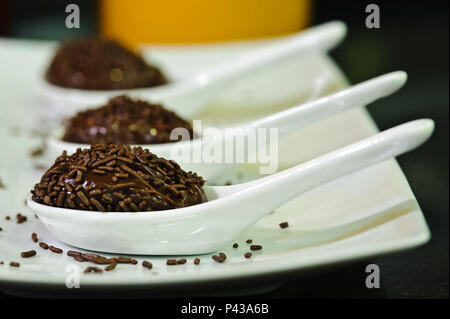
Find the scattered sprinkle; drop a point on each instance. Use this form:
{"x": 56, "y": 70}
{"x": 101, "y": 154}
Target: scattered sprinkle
{"x": 248, "y": 255}
{"x": 249, "y": 241}
{"x": 34, "y": 237}
{"x": 43, "y": 245}
{"x": 37, "y": 151}
{"x": 78, "y": 258}
{"x": 93, "y": 269}
{"x": 284, "y": 224}
{"x": 235, "y": 245}
{"x": 112, "y": 265}
{"x": 100, "y": 260}
{"x": 21, "y": 218}
{"x": 217, "y": 258}
{"x": 14, "y": 264}
{"x": 147, "y": 264}
{"x": 171, "y": 262}
{"x": 255, "y": 247}
{"x": 181, "y": 261}
{"x": 73, "y": 253}
{"x": 196, "y": 261}
{"x": 55, "y": 249}
{"x": 27, "y": 254}
{"x": 125, "y": 260}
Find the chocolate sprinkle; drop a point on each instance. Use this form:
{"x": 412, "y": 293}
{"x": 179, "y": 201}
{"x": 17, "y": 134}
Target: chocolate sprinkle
{"x": 217, "y": 258}
{"x": 93, "y": 269}
{"x": 147, "y": 264}
{"x": 73, "y": 253}
{"x": 284, "y": 224}
{"x": 55, "y": 249}
{"x": 20, "y": 218}
{"x": 78, "y": 258}
{"x": 181, "y": 261}
{"x": 27, "y": 254}
{"x": 171, "y": 262}
{"x": 37, "y": 151}
{"x": 147, "y": 187}
{"x": 255, "y": 247}
{"x": 112, "y": 265}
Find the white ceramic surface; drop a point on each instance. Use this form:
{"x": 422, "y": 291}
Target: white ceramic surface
{"x": 286, "y": 121}
{"x": 191, "y": 95}
{"x": 381, "y": 188}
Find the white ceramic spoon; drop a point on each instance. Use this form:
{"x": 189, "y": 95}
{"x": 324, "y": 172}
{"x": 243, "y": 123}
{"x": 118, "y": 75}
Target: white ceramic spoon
{"x": 190, "y": 96}
{"x": 209, "y": 226}
{"x": 286, "y": 121}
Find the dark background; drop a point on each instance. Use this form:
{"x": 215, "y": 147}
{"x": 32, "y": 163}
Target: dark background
{"x": 413, "y": 37}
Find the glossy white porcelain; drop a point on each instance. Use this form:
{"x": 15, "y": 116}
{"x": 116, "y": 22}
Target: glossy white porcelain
{"x": 381, "y": 190}
{"x": 206, "y": 227}
{"x": 191, "y": 95}
{"x": 286, "y": 121}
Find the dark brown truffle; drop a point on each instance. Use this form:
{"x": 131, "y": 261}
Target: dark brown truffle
{"x": 124, "y": 121}
{"x": 117, "y": 178}
{"x": 100, "y": 64}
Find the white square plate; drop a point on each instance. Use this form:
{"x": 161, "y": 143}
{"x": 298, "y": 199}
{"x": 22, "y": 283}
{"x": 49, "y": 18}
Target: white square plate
{"x": 342, "y": 201}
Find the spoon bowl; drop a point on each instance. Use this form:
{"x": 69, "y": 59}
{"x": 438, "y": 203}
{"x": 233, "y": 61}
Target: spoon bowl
{"x": 209, "y": 226}
{"x": 286, "y": 121}
{"x": 190, "y": 96}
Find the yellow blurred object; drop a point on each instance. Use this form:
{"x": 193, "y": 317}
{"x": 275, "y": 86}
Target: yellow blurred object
{"x": 186, "y": 21}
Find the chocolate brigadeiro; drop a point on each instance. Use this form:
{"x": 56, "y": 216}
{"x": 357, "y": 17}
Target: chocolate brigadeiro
{"x": 124, "y": 121}
{"x": 118, "y": 178}
{"x": 100, "y": 64}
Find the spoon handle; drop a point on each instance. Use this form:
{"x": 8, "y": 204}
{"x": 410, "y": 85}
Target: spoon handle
{"x": 357, "y": 95}
{"x": 302, "y": 115}
{"x": 319, "y": 38}
{"x": 188, "y": 98}
{"x": 279, "y": 188}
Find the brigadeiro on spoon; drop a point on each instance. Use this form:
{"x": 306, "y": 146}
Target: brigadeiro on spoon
{"x": 118, "y": 178}
{"x": 125, "y": 121}
{"x": 101, "y": 64}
